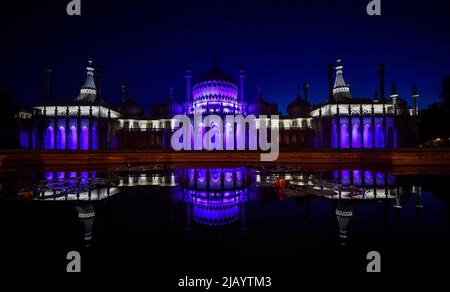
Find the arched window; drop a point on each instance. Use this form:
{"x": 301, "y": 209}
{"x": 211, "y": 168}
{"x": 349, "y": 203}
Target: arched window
{"x": 356, "y": 136}
{"x": 73, "y": 138}
{"x": 61, "y": 139}
{"x": 345, "y": 143}
{"x": 379, "y": 136}
{"x": 49, "y": 139}
{"x": 84, "y": 139}
{"x": 367, "y": 136}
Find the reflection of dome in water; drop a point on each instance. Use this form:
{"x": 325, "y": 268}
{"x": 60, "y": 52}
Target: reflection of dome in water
{"x": 216, "y": 213}
{"x": 216, "y": 195}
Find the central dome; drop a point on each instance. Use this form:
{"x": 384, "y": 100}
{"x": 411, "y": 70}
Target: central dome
{"x": 215, "y": 86}
{"x": 216, "y": 93}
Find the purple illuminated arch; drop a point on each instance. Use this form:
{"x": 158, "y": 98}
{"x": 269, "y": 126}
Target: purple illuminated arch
{"x": 335, "y": 135}
{"x": 379, "y": 135}
{"x": 61, "y": 139}
{"x": 24, "y": 139}
{"x": 49, "y": 139}
{"x": 356, "y": 136}
{"x": 367, "y": 136}
{"x": 84, "y": 139}
{"x": 345, "y": 141}
{"x": 73, "y": 137}
{"x": 94, "y": 138}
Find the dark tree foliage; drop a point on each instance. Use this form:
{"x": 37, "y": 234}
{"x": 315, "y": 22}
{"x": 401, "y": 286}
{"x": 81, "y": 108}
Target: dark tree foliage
{"x": 434, "y": 121}
{"x": 445, "y": 94}
{"x": 8, "y": 124}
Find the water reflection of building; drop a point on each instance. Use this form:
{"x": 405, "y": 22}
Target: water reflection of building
{"x": 213, "y": 196}
{"x": 86, "y": 214}
{"x": 78, "y": 186}
{"x": 216, "y": 196}
{"x": 344, "y": 214}
{"x": 384, "y": 188}
{"x": 163, "y": 179}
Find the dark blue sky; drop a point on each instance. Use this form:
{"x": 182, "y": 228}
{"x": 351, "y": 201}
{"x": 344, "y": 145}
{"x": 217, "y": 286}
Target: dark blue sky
{"x": 147, "y": 44}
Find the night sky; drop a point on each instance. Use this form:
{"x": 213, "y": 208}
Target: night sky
{"x": 147, "y": 44}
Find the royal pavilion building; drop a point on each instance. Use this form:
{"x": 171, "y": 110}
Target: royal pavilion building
{"x": 88, "y": 122}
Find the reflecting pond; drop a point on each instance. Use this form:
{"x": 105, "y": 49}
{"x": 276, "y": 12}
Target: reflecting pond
{"x": 272, "y": 218}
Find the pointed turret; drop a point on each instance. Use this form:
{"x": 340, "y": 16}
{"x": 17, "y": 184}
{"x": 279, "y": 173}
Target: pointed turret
{"x": 341, "y": 89}
{"x": 415, "y": 99}
{"x": 300, "y": 108}
{"x": 123, "y": 93}
{"x": 171, "y": 93}
{"x": 381, "y": 80}
{"x": 306, "y": 91}
{"x": 47, "y": 78}
{"x": 88, "y": 91}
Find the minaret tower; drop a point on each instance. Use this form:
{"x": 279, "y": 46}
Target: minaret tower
{"x": 189, "y": 101}
{"x": 381, "y": 80}
{"x": 88, "y": 91}
{"x": 306, "y": 91}
{"x": 394, "y": 97}
{"x": 123, "y": 93}
{"x": 415, "y": 99}
{"x": 47, "y": 78}
{"x": 242, "y": 75}
{"x": 341, "y": 89}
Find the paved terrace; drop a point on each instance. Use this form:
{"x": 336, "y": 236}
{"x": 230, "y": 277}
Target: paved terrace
{"x": 413, "y": 157}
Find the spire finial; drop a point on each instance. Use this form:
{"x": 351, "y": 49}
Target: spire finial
{"x": 47, "y": 76}
{"x": 306, "y": 90}
{"x": 298, "y": 92}
{"x": 171, "y": 96}
{"x": 259, "y": 92}
{"x": 394, "y": 90}
{"x": 415, "y": 90}
{"x": 124, "y": 92}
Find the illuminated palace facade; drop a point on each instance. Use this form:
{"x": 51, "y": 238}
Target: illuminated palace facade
{"x": 87, "y": 122}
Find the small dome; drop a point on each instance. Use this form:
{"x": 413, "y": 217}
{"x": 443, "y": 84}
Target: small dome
{"x": 262, "y": 107}
{"x": 167, "y": 109}
{"x": 131, "y": 109}
{"x": 128, "y": 107}
{"x": 299, "y": 108}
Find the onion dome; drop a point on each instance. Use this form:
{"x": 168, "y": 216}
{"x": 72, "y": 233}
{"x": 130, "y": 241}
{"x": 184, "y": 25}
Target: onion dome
{"x": 128, "y": 107}
{"x": 261, "y": 106}
{"x": 88, "y": 91}
{"x": 300, "y": 107}
{"x": 215, "y": 86}
{"x": 216, "y": 213}
{"x": 168, "y": 109}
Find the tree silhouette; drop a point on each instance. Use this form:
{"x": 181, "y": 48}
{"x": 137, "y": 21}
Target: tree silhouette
{"x": 445, "y": 93}
{"x": 8, "y": 123}
{"x": 434, "y": 122}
